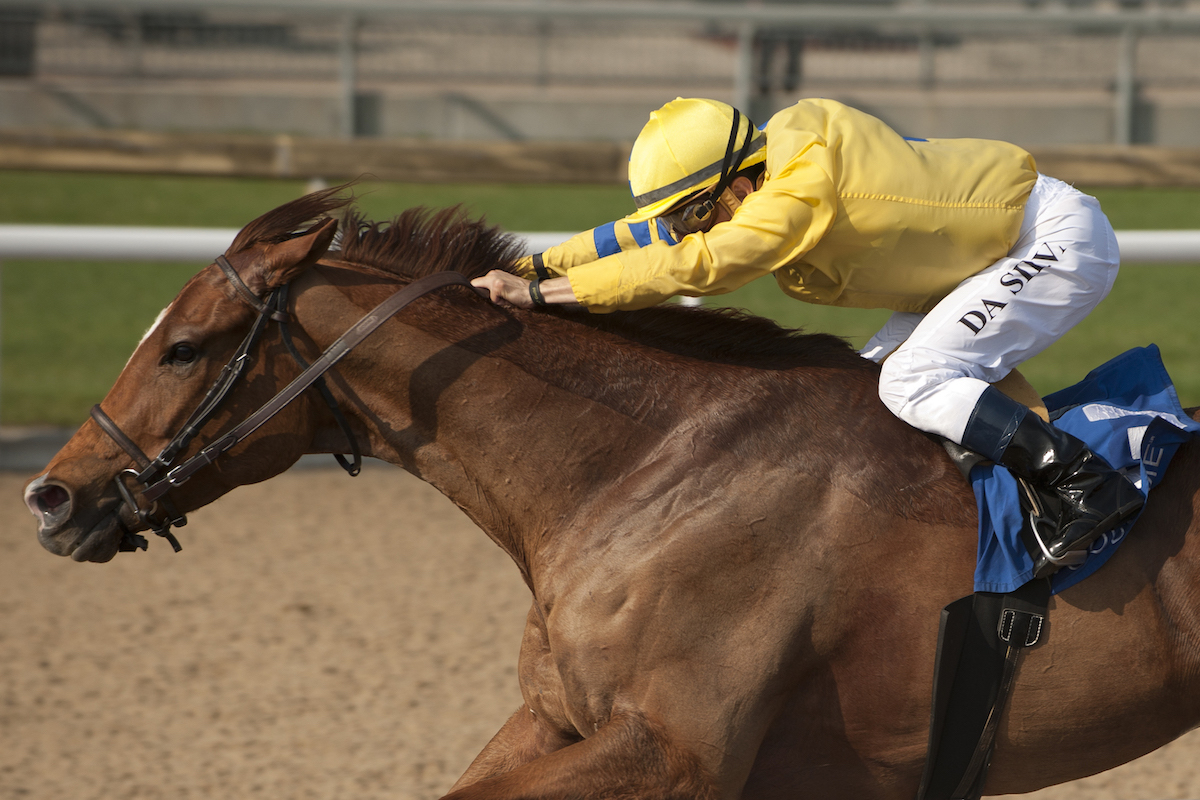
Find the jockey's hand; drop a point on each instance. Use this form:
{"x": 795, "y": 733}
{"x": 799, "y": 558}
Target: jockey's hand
{"x": 506, "y": 286}
{"x": 515, "y": 290}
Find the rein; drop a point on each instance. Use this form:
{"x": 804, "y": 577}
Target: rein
{"x": 156, "y": 477}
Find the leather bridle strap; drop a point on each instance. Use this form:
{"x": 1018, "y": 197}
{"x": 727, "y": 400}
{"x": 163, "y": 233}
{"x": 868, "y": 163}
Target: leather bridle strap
{"x": 255, "y": 302}
{"x": 231, "y": 373}
{"x": 161, "y": 527}
{"x": 147, "y": 468}
{"x": 117, "y": 435}
{"x": 353, "y": 466}
{"x": 334, "y": 353}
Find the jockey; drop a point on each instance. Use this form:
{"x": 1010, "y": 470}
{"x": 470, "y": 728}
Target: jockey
{"x": 984, "y": 261}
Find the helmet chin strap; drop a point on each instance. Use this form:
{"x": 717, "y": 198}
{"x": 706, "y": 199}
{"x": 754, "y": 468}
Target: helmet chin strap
{"x": 702, "y": 211}
{"x": 730, "y": 201}
{"x": 730, "y": 164}
{"x": 729, "y": 198}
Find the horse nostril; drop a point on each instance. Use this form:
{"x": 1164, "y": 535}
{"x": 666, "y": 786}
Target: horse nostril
{"x": 51, "y": 497}
{"x": 48, "y": 501}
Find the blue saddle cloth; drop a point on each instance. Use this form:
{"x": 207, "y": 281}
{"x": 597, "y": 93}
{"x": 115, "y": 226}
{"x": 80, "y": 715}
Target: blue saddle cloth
{"x": 1128, "y": 413}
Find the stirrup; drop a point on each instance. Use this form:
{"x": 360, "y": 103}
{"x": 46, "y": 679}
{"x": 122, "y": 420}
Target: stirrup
{"x": 1046, "y": 563}
{"x": 1071, "y": 558}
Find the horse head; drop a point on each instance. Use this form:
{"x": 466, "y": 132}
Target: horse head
{"x": 194, "y": 371}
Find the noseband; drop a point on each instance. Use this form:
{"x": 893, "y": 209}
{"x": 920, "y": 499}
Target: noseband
{"x": 155, "y": 477}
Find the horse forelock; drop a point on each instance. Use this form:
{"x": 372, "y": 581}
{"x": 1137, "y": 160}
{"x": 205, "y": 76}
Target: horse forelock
{"x": 291, "y": 219}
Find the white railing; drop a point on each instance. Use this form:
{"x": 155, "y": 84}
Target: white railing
{"x": 129, "y": 243}
{"x": 1156, "y": 247}
{"x": 132, "y": 243}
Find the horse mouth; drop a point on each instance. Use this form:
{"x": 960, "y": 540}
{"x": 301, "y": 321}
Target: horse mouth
{"x": 99, "y": 544}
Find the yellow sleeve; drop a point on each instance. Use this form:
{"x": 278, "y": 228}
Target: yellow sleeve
{"x": 775, "y": 226}
{"x": 584, "y": 248}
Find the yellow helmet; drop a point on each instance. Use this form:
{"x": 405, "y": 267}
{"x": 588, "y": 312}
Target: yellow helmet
{"x": 688, "y": 145}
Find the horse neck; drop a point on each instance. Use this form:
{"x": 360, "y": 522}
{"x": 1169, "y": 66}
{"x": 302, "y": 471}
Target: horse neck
{"x": 468, "y": 406}
{"x": 525, "y": 422}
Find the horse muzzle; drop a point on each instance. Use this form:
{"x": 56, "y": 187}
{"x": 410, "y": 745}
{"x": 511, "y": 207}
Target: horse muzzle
{"x": 65, "y": 529}
{"x": 53, "y": 504}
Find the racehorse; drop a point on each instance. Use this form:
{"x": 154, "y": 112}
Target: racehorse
{"x": 736, "y": 555}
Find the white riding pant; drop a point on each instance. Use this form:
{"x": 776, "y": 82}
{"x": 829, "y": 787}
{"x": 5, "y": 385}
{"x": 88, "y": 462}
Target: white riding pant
{"x": 1063, "y": 264}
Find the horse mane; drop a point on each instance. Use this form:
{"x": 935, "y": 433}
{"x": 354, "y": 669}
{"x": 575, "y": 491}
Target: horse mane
{"x": 421, "y": 242}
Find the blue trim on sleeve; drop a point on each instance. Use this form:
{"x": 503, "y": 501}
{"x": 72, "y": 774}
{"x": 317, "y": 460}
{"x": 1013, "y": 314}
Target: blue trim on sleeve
{"x": 641, "y": 232}
{"x": 914, "y": 139}
{"x": 605, "y": 238}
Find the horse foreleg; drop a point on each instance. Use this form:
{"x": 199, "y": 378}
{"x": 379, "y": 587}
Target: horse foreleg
{"x": 522, "y": 739}
{"x": 627, "y": 757}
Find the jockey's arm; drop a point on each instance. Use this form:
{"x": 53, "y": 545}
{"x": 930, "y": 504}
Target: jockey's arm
{"x": 774, "y": 226}
{"x": 609, "y": 239}
{"x": 552, "y": 264}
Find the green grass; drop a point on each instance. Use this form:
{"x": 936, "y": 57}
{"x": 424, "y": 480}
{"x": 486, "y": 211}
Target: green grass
{"x": 68, "y": 327}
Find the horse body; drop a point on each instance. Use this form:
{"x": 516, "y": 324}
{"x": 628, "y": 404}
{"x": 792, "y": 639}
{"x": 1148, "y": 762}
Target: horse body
{"x": 736, "y": 563}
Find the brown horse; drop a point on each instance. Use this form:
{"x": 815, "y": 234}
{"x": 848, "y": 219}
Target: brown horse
{"x": 737, "y": 556}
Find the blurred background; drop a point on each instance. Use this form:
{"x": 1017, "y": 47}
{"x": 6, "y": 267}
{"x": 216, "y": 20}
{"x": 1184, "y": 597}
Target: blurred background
{"x": 1039, "y": 72}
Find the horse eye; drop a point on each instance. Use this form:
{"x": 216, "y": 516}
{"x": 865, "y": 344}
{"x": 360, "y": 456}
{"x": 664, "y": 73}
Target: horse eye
{"x": 183, "y": 353}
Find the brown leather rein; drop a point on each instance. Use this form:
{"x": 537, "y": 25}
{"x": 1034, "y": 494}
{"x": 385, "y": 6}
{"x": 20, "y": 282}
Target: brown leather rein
{"x": 156, "y": 477}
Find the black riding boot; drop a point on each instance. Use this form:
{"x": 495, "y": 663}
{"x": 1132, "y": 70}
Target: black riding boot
{"x": 1080, "y": 496}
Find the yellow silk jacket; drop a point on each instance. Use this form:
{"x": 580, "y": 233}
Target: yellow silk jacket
{"x": 850, "y": 214}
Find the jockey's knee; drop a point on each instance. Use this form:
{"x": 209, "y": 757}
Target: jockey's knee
{"x": 938, "y": 401}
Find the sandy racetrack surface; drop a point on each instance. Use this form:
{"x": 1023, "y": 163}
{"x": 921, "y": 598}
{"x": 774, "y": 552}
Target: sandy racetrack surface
{"x": 318, "y": 637}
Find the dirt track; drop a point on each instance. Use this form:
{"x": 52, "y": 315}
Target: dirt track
{"x": 318, "y": 637}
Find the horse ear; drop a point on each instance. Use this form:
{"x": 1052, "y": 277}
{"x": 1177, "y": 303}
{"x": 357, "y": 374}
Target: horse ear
{"x": 284, "y": 261}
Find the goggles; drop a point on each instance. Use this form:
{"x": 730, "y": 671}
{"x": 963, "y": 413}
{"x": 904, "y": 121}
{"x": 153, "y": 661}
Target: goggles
{"x": 695, "y": 215}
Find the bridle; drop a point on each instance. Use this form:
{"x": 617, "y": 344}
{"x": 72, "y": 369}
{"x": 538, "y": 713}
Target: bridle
{"x": 155, "y": 477}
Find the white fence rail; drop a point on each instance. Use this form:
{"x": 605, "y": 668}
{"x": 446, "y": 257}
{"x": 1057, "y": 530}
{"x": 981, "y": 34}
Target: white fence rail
{"x": 132, "y": 243}
{"x": 128, "y": 243}
{"x": 1156, "y": 247}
